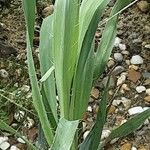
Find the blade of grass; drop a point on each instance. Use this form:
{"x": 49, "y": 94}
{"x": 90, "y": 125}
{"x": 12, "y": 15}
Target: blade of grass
{"x": 46, "y": 65}
{"x": 29, "y": 11}
{"x": 93, "y": 138}
{"x": 6, "y": 127}
{"x": 107, "y": 40}
{"x": 65, "y": 44}
{"x": 130, "y": 126}
{"x": 64, "y": 134}
{"x": 83, "y": 79}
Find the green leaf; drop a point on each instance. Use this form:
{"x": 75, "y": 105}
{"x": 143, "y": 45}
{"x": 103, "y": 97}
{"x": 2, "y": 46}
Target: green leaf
{"x": 83, "y": 79}
{"x": 6, "y": 127}
{"x": 107, "y": 40}
{"x": 47, "y": 74}
{"x": 29, "y": 11}
{"x": 64, "y": 134}
{"x": 65, "y": 42}
{"x": 47, "y": 66}
{"x": 93, "y": 138}
{"x": 130, "y": 126}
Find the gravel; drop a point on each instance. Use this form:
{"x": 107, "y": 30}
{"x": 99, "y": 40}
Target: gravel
{"x": 118, "y": 57}
{"x": 117, "y": 70}
{"x": 135, "y": 110}
{"x": 117, "y": 41}
{"x": 140, "y": 89}
{"x": 136, "y": 60}
{"x": 4, "y": 146}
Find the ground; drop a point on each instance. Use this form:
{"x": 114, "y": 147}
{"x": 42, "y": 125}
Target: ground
{"x": 133, "y": 38}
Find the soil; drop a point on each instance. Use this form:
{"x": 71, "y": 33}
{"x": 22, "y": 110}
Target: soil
{"x": 133, "y": 29}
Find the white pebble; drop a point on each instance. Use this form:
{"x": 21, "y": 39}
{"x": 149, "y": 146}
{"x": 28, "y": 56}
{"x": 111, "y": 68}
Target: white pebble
{"x": 136, "y": 60}
{"x": 118, "y": 57}
{"x": 85, "y": 134}
{"x": 122, "y": 47}
{"x": 121, "y": 80}
{"x": 3, "y": 139}
{"x": 135, "y": 110}
{"x": 146, "y": 108}
{"x": 4, "y": 145}
{"x": 25, "y": 88}
{"x": 20, "y": 140}
{"x": 117, "y": 41}
{"x": 126, "y": 102}
{"x": 105, "y": 134}
{"x": 29, "y": 123}
{"x": 14, "y": 148}
{"x": 89, "y": 109}
{"x": 19, "y": 115}
{"x": 140, "y": 89}
{"x": 133, "y": 148}
{"x": 3, "y": 73}
{"x": 148, "y": 91}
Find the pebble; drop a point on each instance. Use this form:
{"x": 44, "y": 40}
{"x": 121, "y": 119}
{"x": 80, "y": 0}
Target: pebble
{"x": 135, "y": 110}
{"x": 117, "y": 41}
{"x": 122, "y": 47}
{"x": 25, "y": 88}
{"x": 19, "y": 115}
{"x": 105, "y": 134}
{"x": 118, "y": 57}
{"x": 89, "y": 109}
{"x": 112, "y": 110}
{"x": 125, "y": 87}
{"x": 125, "y": 52}
{"x": 147, "y": 46}
{"x": 136, "y": 60}
{"x": 144, "y": 6}
{"x": 110, "y": 63}
{"x": 117, "y": 70}
{"x": 140, "y": 89}
{"x": 126, "y": 102}
{"x": 146, "y": 75}
{"x": 95, "y": 93}
{"x": 148, "y": 91}
{"x": 3, "y": 73}
{"x": 4, "y": 146}
{"x": 14, "y": 148}
{"x": 29, "y": 123}
{"x": 48, "y": 11}
{"x": 85, "y": 134}
{"x": 121, "y": 80}
{"x": 20, "y": 140}
{"x": 133, "y": 148}
{"x": 126, "y": 146}
{"x": 147, "y": 99}
{"x": 111, "y": 82}
{"x": 3, "y": 139}
{"x": 133, "y": 67}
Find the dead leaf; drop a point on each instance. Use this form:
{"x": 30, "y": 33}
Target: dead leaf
{"x": 32, "y": 134}
{"x": 133, "y": 75}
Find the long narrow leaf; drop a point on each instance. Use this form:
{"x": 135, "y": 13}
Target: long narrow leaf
{"x": 83, "y": 79}
{"x": 64, "y": 134}
{"x": 29, "y": 10}
{"x": 130, "y": 126}
{"x": 93, "y": 139}
{"x": 65, "y": 44}
{"x": 46, "y": 65}
{"x": 107, "y": 40}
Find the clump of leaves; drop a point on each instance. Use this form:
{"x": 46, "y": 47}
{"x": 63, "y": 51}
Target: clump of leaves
{"x": 69, "y": 64}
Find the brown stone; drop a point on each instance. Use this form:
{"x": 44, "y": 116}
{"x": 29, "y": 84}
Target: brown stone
{"x": 126, "y": 146}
